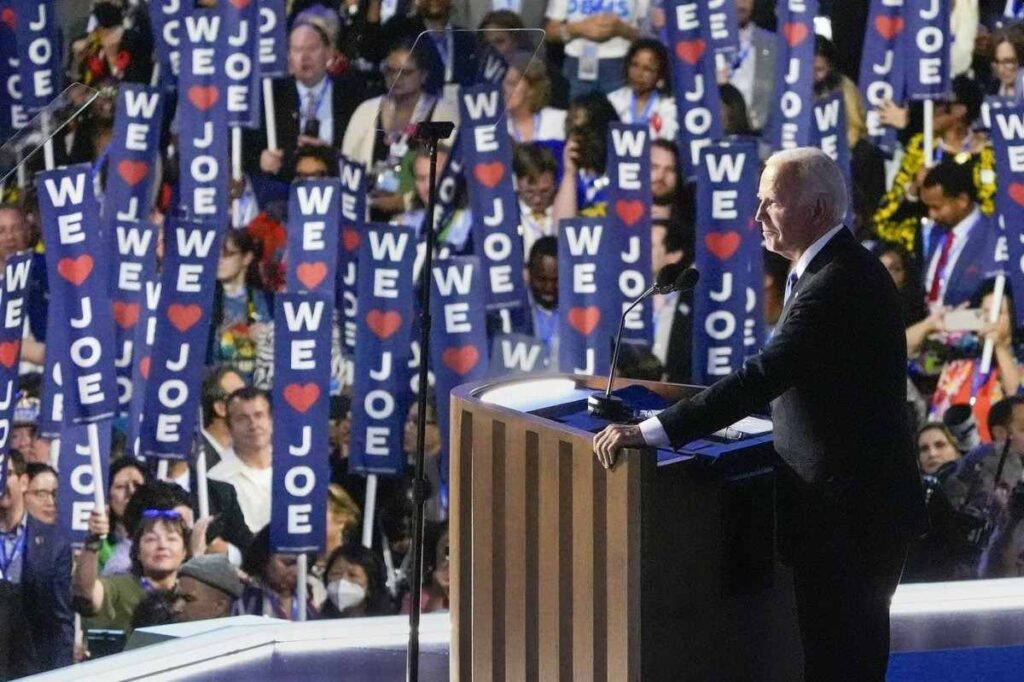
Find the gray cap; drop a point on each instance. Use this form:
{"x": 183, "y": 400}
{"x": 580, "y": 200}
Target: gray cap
{"x": 214, "y": 570}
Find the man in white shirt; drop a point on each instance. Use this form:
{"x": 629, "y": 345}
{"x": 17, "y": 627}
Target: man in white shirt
{"x": 249, "y": 470}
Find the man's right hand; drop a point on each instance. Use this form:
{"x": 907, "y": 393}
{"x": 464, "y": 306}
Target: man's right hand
{"x": 270, "y": 160}
{"x": 599, "y": 27}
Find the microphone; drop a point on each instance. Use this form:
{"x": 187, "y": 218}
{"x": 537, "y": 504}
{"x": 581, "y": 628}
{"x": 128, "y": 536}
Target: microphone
{"x": 672, "y": 277}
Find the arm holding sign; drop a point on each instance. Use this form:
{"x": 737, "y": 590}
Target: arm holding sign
{"x": 564, "y": 205}
{"x": 87, "y": 589}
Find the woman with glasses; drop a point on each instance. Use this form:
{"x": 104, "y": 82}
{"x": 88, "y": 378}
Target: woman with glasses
{"x": 159, "y": 548}
{"x": 1007, "y": 59}
{"x": 380, "y": 134}
{"x": 41, "y": 496}
{"x": 240, "y": 303}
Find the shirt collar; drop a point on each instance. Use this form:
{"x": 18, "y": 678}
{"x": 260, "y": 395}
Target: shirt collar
{"x": 19, "y": 529}
{"x": 963, "y": 228}
{"x": 814, "y": 249}
{"x": 318, "y": 89}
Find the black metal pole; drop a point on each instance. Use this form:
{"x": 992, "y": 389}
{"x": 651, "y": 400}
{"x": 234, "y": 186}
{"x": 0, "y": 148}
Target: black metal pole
{"x": 430, "y": 133}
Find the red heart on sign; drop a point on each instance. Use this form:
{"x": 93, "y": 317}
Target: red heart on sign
{"x": 795, "y": 33}
{"x": 203, "y": 96}
{"x": 8, "y": 17}
{"x": 629, "y": 210}
{"x": 584, "y": 320}
{"x": 383, "y": 324}
{"x": 722, "y": 244}
{"x": 350, "y": 239}
{"x": 239, "y": 4}
{"x": 144, "y": 367}
{"x": 690, "y": 50}
{"x": 301, "y": 396}
{"x": 311, "y": 274}
{"x": 888, "y": 27}
{"x": 1016, "y": 191}
{"x": 132, "y": 172}
{"x": 184, "y": 316}
{"x": 75, "y": 270}
{"x": 125, "y": 314}
{"x": 489, "y": 174}
{"x": 460, "y": 360}
{"x": 9, "y": 353}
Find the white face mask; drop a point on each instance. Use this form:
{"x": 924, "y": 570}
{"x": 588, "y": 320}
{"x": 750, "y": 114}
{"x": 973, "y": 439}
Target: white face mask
{"x": 345, "y": 594}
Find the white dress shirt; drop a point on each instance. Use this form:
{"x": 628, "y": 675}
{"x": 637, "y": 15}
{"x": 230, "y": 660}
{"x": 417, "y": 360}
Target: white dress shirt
{"x": 651, "y": 429}
{"x": 324, "y": 92}
{"x": 252, "y": 486}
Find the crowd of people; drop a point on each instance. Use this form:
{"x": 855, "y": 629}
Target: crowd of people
{"x": 358, "y": 80}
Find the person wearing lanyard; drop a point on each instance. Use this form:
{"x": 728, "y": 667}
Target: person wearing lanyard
{"x": 274, "y": 579}
{"x": 644, "y": 98}
{"x": 35, "y": 582}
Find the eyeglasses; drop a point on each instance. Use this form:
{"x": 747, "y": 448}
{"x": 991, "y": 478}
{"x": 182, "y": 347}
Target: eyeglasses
{"x": 43, "y": 494}
{"x": 166, "y": 514}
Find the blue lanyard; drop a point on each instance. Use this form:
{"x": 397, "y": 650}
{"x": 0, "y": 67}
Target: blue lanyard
{"x": 741, "y": 57}
{"x": 518, "y": 136}
{"x": 646, "y": 116}
{"x": 5, "y": 560}
{"x": 275, "y": 604}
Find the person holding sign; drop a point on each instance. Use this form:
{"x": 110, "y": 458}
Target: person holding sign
{"x": 849, "y": 496}
{"x": 310, "y": 106}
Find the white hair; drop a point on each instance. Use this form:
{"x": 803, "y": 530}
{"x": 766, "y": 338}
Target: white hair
{"x": 816, "y": 174}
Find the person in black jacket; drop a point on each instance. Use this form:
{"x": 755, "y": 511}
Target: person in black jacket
{"x": 310, "y": 107}
{"x": 35, "y": 577}
{"x": 849, "y": 495}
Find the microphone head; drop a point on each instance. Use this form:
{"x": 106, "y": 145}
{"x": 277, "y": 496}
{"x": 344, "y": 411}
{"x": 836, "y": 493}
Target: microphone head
{"x": 668, "y": 275}
{"x": 687, "y": 279}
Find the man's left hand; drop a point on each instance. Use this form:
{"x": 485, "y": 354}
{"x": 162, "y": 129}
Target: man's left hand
{"x": 616, "y": 436}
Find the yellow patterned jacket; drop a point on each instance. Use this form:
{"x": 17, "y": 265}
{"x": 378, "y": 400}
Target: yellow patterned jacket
{"x": 898, "y": 218}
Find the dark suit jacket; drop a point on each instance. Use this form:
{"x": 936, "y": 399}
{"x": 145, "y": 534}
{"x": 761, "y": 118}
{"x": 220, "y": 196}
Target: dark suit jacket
{"x": 230, "y": 523}
{"x": 379, "y": 39}
{"x": 346, "y": 95}
{"x": 46, "y": 592}
{"x": 835, "y": 374}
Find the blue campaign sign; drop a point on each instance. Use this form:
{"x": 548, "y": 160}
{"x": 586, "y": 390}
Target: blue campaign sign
{"x": 302, "y": 373}
{"x": 727, "y": 318}
{"x": 80, "y": 281}
{"x": 486, "y": 154}
{"x": 13, "y": 116}
{"x": 629, "y": 220}
{"x": 693, "y": 80}
{"x": 513, "y": 354}
{"x": 134, "y": 269}
{"x": 459, "y": 343}
{"x": 75, "y": 479}
{"x": 12, "y": 325}
{"x": 724, "y": 30}
{"x": 883, "y": 67}
{"x": 1007, "y": 132}
{"x": 203, "y": 120}
{"x": 238, "y": 49}
{"x": 353, "y": 216}
{"x": 182, "y": 333}
{"x": 141, "y": 359}
{"x": 167, "y": 18}
{"x": 588, "y": 302}
{"x": 790, "y": 123}
{"x": 830, "y": 136}
{"x": 132, "y": 156}
{"x": 927, "y": 48}
{"x": 385, "y": 293}
{"x": 313, "y": 237}
{"x": 273, "y": 41}
{"x": 40, "y": 52}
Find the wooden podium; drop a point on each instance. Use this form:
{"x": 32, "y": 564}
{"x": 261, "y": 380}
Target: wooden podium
{"x": 662, "y": 569}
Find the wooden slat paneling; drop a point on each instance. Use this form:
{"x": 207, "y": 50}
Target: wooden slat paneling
{"x": 482, "y": 587}
{"x": 515, "y": 544}
{"x": 584, "y": 648}
{"x": 460, "y": 538}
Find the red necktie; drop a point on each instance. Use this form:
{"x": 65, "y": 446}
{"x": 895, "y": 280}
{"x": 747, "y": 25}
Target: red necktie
{"x": 936, "y": 288}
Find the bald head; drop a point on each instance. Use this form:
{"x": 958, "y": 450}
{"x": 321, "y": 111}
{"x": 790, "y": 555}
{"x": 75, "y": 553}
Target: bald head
{"x": 802, "y": 196}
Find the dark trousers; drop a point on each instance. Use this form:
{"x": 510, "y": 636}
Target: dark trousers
{"x": 843, "y": 587}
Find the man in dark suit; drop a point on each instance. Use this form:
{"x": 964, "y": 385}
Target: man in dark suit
{"x": 310, "y": 107}
{"x": 849, "y": 494}
{"x": 35, "y": 562}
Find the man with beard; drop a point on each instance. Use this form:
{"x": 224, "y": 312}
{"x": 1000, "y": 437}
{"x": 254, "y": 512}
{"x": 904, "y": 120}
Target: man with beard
{"x": 665, "y": 188}
{"x": 542, "y": 276}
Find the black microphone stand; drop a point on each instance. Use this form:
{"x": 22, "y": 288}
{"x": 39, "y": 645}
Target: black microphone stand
{"x": 429, "y": 133}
